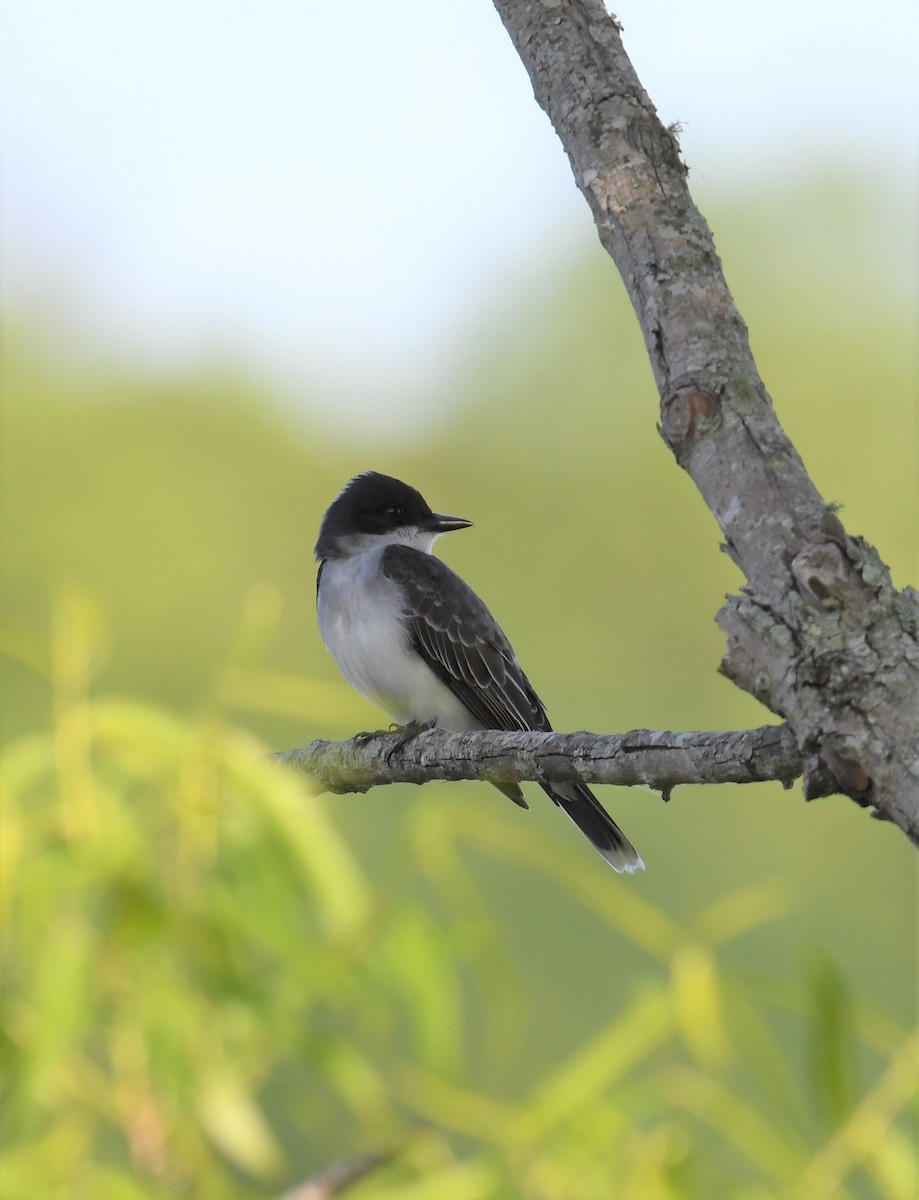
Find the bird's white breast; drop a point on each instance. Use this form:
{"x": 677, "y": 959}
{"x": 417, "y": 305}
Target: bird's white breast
{"x": 361, "y": 624}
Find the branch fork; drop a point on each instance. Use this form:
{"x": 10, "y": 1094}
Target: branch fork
{"x": 818, "y": 634}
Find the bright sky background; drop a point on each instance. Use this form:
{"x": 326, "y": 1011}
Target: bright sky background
{"x": 323, "y": 191}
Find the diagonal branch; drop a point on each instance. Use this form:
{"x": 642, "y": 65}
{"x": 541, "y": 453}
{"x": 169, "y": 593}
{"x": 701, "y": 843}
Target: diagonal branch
{"x": 819, "y": 635}
{"x": 657, "y": 760}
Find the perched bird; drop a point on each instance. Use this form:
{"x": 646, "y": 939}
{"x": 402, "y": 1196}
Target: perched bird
{"x": 413, "y": 637}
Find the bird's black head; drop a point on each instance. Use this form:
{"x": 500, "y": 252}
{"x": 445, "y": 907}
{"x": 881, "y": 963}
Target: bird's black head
{"x": 373, "y": 508}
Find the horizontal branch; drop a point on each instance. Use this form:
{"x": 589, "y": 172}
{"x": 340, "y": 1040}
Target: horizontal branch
{"x": 654, "y": 759}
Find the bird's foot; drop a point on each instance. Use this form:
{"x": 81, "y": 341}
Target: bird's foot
{"x": 408, "y": 732}
{"x": 370, "y": 735}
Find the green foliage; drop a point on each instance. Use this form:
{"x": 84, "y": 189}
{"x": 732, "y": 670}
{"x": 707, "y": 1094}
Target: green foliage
{"x": 215, "y": 983}
{"x": 207, "y": 996}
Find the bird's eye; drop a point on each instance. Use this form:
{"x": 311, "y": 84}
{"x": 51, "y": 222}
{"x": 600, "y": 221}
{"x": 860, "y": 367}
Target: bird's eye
{"x": 396, "y": 511}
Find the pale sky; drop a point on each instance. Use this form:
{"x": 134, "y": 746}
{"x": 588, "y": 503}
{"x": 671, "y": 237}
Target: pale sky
{"x": 324, "y": 190}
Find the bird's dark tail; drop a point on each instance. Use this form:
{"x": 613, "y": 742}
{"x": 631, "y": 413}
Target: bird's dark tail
{"x": 583, "y": 807}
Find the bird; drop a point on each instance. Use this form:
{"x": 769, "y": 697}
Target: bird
{"x": 413, "y": 637}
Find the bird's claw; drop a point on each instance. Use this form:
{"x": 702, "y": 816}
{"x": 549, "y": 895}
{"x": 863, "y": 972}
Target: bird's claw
{"x": 408, "y": 732}
{"x": 369, "y": 735}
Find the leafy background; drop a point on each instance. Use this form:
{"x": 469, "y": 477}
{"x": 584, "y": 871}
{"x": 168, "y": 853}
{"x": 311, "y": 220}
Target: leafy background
{"x": 217, "y": 984}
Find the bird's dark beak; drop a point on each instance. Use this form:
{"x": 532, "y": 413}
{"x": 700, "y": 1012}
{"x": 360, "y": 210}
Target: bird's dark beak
{"x": 439, "y": 523}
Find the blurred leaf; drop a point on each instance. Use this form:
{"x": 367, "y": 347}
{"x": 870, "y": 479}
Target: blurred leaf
{"x": 623, "y": 1045}
{"x": 79, "y": 642}
{"x": 452, "y": 1107}
{"x": 58, "y": 1006}
{"x": 742, "y": 911}
{"x": 120, "y": 1185}
{"x": 159, "y": 737}
{"x": 612, "y": 898}
{"x": 47, "y": 1165}
{"x": 354, "y": 1077}
{"x": 300, "y": 817}
{"x": 422, "y": 958}
{"x": 893, "y": 1166}
{"x": 765, "y": 1057}
{"x": 697, "y": 1002}
{"x": 831, "y": 1042}
{"x": 24, "y": 764}
{"x": 656, "y": 1159}
{"x": 466, "y": 1181}
{"x": 232, "y": 1118}
{"x": 866, "y": 1131}
{"x": 751, "y": 1134}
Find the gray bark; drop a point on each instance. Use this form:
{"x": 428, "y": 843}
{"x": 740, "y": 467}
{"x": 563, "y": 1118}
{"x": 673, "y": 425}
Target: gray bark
{"x": 819, "y": 634}
{"x": 657, "y": 760}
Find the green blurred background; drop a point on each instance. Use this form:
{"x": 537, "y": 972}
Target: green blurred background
{"x": 247, "y": 252}
{"x": 217, "y": 984}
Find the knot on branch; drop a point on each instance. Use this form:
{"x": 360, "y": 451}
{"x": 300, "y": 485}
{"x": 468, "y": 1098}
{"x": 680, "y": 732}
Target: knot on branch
{"x": 821, "y": 572}
{"x": 849, "y": 774}
{"x": 830, "y": 772}
{"x": 688, "y": 413}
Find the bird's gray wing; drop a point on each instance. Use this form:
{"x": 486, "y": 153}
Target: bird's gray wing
{"x": 462, "y": 643}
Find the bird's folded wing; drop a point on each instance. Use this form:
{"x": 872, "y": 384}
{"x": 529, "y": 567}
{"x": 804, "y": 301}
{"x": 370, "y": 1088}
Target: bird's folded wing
{"x": 459, "y": 639}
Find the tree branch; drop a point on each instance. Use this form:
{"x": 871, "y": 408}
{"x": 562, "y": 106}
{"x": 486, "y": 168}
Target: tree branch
{"x": 657, "y": 760}
{"x": 819, "y": 635}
